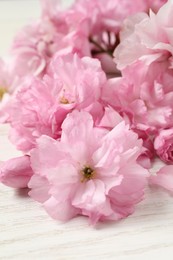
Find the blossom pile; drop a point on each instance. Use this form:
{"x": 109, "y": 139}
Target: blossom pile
{"x": 88, "y": 93}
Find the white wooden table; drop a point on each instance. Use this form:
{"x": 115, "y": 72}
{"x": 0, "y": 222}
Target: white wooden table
{"x": 27, "y": 232}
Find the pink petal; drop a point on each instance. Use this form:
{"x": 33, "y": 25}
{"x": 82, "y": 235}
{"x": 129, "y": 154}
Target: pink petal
{"x": 46, "y": 155}
{"x": 164, "y": 178}
{"x": 16, "y": 172}
{"x": 133, "y": 183}
{"x": 90, "y": 195}
{"x": 111, "y": 118}
{"x": 144, "y": 161}
{"x": 63, "y": 174}
{"x": 62, "y": 211}
{"x": 83, "y": 194}
{"x": 39, "y": 186}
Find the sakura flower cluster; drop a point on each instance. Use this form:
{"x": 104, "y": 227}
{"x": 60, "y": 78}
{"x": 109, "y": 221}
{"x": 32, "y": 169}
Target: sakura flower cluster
{"x": 88, "y": 94}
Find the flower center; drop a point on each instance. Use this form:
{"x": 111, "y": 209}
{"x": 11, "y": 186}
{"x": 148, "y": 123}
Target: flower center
{"x": 2, "y": 92}
{"x": 87, "y": 173}
{"x": 64, "y": 101}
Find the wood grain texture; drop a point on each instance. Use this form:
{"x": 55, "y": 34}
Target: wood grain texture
{"x": 27, "y": 232}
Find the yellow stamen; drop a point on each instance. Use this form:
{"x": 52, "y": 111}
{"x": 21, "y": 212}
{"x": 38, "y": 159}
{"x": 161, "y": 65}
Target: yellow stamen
{"x": 2, "y": 92}
{"x": 87, "y": 173}
{"x": 64, "y": 101}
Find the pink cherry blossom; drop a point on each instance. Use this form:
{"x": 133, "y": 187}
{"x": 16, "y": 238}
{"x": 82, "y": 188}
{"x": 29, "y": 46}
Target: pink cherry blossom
{"x": 90, "y": 171}
{"x": 149, "y": 106}
{"x": 16, "y": 172}
{"x": 40, "y": 106}
{"x": 163, "y": 145}
{"x": 32, "y": 48}
{"x": 104, "y": 23}
{"x": 29, "y": 55}
{"x": 34, "y": 45}
{"x": 147, "y": 38}
{"x": 56, "y": 30}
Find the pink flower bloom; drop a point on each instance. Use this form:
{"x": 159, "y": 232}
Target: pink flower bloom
{"x": 163, "y": 145}
{"x": 147, "y": 38}
{"x": 105, "y": 21}
{"x": 149, "y": 106}
{"x": 90, "y": 171}
{"x": 163, "y": 178}
{"x": 40, "y": 106}
{"x": 16, "y": 172}
{"x": 35, "y": 45}
{"x": 56, "y": 31}
{"x": 32, "y": 49}
{"x": 30, "y": 54}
